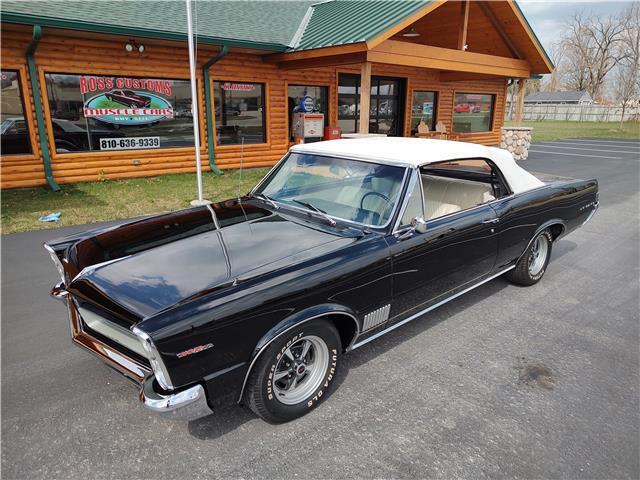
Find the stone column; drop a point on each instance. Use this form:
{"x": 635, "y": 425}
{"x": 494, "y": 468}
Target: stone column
{"x": 516, "y": 140}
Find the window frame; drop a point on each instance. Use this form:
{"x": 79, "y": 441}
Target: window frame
{"x": 327, "y": 88}
{"x": 494, "y": 97}
{"x": 106, "y": 73}
{"x": 436, "y": 107}
{"x": 265, "y": 114}
{"x": 398, "y": 229}
{"x": 27, "y": 106}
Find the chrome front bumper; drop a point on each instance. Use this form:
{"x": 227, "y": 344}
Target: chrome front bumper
{"x": 188, "y": 404}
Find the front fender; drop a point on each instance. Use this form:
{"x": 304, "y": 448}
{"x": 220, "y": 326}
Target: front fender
{"x": 293, "y": 321}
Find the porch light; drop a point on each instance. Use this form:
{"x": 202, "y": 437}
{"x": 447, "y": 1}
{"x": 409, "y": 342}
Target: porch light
{"x": 411, "y": 33}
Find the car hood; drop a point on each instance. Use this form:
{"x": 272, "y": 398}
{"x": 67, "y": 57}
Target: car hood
{"x": 250, "y": 242}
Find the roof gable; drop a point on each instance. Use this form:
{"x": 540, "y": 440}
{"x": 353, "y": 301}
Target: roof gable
{"x": 341, "y": 22}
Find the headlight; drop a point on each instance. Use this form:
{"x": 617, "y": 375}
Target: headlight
{"x": 156, "y": 362}
{"x": 56, "y": 261}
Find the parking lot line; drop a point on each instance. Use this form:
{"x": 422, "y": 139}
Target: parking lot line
{"x": 617, "y": 143}
{"x": 553, "y": 145}
{"x": 572, "y": 154}
{"x": 614, "y": 148}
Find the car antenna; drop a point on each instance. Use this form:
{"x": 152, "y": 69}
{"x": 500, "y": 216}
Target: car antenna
{"x": 240, "y": 180}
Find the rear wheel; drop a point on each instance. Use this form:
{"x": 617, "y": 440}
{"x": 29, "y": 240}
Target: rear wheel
{"x": 531, "y": 267}
{"x": 295, "y": 372}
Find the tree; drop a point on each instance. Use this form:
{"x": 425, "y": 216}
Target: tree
{"x": 592, "y": 47}
{"x": 555, "y": 81}
{"x": 626, "y": 82}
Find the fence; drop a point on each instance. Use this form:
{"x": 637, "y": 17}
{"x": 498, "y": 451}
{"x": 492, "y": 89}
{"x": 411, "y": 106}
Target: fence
{"x": 578, "y": 113}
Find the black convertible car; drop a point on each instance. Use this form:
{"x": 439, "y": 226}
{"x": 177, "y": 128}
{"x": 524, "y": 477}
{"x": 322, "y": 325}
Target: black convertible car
{"x": 255, "y": 300}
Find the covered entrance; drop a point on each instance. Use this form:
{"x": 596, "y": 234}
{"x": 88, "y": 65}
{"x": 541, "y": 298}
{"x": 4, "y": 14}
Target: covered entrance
{"x": 386, "y": 110}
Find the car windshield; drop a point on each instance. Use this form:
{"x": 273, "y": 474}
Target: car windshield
{"x": 357, "y": 191}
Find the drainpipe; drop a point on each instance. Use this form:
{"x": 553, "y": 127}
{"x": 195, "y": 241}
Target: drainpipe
{"x": 35, "y": 90}
{"x": 207, "y": 102}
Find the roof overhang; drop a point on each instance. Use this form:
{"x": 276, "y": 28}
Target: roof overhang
{"x": 44, "y": 21}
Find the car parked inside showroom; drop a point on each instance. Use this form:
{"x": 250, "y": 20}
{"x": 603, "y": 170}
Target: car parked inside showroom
{"x": 256, "y": 299}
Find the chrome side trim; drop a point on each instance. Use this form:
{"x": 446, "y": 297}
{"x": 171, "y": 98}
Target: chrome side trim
{"x": 432, "y": 307}
{"x": 264, "y": 347}
{"x": 376, "y": 317}
{"x": 189, "y": 404}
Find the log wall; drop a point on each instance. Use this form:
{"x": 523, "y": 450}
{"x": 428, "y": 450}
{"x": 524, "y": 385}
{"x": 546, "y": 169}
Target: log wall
{"x": 92, "y": 54}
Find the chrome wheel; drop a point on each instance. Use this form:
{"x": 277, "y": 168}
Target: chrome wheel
{"x": 300, "y": 370}
{"x": 538, "y": 255}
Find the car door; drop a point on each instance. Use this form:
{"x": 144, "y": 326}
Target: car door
{"x": 456, "y": 250}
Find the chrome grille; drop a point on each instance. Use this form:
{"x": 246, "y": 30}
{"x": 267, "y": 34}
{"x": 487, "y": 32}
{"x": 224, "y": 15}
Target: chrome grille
{"x": 113, "y": 331}
{"x": 376, "y": 317}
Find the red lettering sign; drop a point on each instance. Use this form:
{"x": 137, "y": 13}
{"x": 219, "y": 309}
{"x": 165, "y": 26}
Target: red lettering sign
{"x": 92, "y": 84}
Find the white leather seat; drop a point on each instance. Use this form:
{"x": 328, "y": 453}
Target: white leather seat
{"x": 443, "y": 196}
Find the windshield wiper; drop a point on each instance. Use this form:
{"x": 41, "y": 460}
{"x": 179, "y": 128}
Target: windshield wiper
{"x": 267, "y": 199}
{"x": 322, "y": 213}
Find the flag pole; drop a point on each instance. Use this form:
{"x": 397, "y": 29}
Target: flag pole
{"x": 194, "y": 107}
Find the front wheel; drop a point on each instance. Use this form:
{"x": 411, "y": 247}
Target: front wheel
{"x": 531, "y": 267}
{"x": 295, "y": 372}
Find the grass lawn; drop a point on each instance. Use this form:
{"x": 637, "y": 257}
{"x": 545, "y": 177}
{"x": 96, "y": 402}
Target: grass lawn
{"x": 555, "y": 130}
{"x": 110, "y": 200}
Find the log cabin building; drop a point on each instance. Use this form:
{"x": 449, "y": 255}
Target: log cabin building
{"x": 100, "y": 90}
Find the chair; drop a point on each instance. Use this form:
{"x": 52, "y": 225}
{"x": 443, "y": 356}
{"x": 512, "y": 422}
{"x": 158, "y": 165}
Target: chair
{"x": 440, "y": 132}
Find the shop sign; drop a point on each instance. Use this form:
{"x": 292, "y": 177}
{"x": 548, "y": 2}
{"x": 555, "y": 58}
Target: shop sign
{"x": 127, "y": 101}
{"x": 238, "y": 87}
{"x": 307, "y": 104}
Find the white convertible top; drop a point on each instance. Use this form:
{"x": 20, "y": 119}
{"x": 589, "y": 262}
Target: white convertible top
{"x": 415, "y": 152}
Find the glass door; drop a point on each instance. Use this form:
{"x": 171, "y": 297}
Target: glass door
{"x": 386, "y": 109}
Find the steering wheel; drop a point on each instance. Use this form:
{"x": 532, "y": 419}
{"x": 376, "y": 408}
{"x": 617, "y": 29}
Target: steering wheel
{"x": 382, "y": 195}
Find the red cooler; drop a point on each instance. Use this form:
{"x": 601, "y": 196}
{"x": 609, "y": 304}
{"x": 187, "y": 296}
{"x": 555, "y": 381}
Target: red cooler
{"x": 332, "y": 133}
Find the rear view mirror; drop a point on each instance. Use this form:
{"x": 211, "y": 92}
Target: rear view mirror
{"x": 419, "y": 225}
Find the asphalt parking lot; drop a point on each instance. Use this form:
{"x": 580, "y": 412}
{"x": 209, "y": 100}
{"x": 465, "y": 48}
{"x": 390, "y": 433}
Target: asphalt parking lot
{"x": 504, "y": 382}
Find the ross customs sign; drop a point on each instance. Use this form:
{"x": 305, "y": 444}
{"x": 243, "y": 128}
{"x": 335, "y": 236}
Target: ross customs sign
{"x": 127, "y": 101}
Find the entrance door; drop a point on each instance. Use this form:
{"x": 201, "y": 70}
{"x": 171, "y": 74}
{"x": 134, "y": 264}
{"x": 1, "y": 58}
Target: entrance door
{"x": 387, "y": 102}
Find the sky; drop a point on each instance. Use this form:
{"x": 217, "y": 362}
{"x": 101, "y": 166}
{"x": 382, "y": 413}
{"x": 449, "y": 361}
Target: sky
{"x": 547, "y": 17}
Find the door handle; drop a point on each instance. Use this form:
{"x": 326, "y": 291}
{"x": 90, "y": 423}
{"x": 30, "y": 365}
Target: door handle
{"x": 491, "y": 220}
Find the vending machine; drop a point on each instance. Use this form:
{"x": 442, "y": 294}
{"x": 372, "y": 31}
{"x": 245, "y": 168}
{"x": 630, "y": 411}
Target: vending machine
{"x": 309, "y": 127}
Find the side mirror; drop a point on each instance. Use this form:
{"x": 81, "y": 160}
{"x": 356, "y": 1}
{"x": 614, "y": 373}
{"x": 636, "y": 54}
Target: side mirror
{"x": 419, "y": 225}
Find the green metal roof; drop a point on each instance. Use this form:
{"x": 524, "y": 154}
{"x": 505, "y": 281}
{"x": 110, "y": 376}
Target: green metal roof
{"x": 268, "y": 25}
{"x": 272, "y": 25}
{"x": 341, "y": 22}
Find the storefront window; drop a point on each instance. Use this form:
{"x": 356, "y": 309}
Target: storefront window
{"x": 103, "y": 113}
{"x": 307, "y": 98}
{"x": 13, "y": 127}
{"x": 472, "y": 112}
{"x": 239, "y": 113}
{"x": 423, "y": 109}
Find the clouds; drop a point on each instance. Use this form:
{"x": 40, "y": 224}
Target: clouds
{"x": 547, "y": 18}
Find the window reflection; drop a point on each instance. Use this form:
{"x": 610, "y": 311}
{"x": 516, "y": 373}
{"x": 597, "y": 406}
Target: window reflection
{"x": 13, "y": 127}
{"x": 472, "y": 112}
